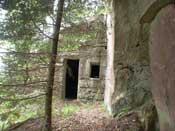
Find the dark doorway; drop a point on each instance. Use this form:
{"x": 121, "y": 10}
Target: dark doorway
{"x": 72, "y": 79}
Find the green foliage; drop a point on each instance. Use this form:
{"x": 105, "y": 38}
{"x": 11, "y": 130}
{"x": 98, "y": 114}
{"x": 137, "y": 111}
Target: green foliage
{"x": 69, "y": 47}
{"x": 79, "y": 38}
{"x": 20, "y": 29}
{"x": 21, "y": 64}
{"x": 67, "y": 110}
{"x": 12, "y": 112}
{"x": 21, "y": 16}
{"x": 18, "y": 63}
{"x": 78, "y": 10}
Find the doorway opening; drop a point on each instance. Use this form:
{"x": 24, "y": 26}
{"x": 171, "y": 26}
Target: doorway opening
{"x": 72, "y": 79}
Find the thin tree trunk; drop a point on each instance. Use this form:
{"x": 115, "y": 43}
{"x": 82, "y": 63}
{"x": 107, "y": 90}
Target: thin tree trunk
{"x": 49, "y": 88}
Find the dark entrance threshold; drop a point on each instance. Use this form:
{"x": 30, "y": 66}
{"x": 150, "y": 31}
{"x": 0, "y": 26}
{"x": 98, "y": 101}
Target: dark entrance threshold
{"x": 72, "y": 79}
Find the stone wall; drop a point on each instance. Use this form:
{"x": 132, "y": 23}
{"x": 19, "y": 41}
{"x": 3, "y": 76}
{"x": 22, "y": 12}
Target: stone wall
{"x": 89, "y": 89}
{"x": 89, "y": 52}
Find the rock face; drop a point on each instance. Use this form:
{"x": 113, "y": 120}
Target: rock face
{"x": 163, "y": 65}
{"x": 131, "y": 57}
{"x": 89, "y": 53}
{"x": 131, "y": 61}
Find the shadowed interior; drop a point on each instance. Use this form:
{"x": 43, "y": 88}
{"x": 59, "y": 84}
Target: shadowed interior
{"x": 72, "y": 79}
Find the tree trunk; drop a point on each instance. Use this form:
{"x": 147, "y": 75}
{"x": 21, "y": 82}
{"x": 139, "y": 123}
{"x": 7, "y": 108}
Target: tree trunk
{"x": 49, "y": 88}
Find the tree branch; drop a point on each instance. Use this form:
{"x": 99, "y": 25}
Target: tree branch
{"x": 22, "y": 99}
{"x": 41, "y": 31}
{"x": 32, "y": 83}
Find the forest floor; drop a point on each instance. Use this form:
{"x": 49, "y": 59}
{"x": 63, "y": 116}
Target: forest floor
{"x": 75, "y": 116}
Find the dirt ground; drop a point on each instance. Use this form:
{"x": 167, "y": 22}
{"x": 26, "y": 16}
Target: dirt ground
{"x": 90, "y": 117}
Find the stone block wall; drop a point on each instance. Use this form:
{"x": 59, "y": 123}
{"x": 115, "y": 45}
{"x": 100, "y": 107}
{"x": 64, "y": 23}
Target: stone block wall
{"x": 89, "y": 89}
{"x": 92, "y": 51}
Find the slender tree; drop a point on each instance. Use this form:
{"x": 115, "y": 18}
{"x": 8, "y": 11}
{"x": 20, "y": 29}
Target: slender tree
{"x": 49, "y": 88}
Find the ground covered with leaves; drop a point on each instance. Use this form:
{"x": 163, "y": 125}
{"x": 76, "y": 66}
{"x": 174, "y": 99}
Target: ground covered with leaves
{"x": 75, "y": 116}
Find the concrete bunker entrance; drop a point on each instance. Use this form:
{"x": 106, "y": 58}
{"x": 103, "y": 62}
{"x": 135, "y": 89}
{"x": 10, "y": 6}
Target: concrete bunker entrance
{"x": 71, "y": 79}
